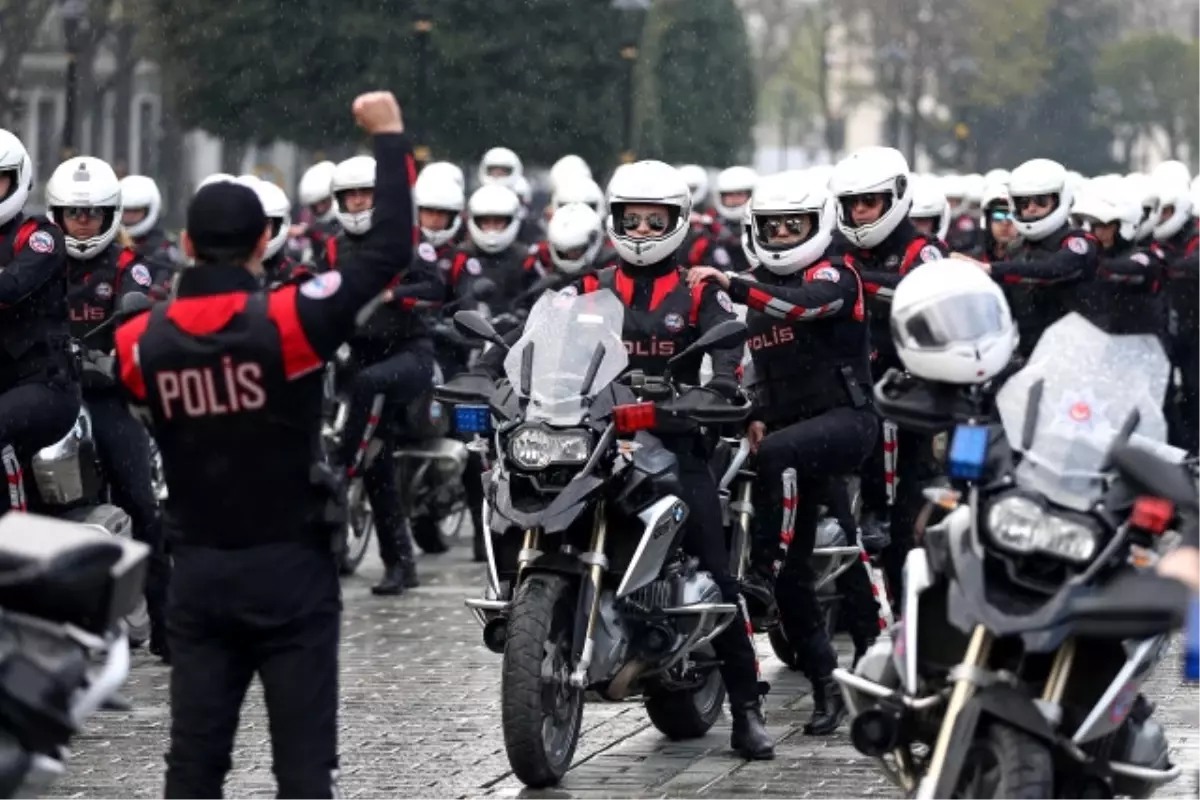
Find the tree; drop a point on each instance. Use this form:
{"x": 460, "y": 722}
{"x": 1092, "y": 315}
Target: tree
{"x": 19, "y": 24}
{"x": 696, "y": 91}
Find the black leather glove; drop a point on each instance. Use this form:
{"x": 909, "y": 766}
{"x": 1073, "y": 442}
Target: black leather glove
{"x": 726, "y": 387}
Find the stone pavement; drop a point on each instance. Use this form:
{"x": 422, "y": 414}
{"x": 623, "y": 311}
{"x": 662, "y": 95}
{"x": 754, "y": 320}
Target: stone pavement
{"x": 420, "y": 718}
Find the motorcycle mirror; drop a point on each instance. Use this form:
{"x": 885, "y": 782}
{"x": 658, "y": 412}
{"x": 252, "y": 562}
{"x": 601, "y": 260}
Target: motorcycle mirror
{"x": 1152, "y": 475}
{"x": 483, "y": 289}
{"x": 730, "y": 333}
{"x": 473, "y": 325}
{"x": 133, "y": 304}
{"x": 1132, "y": 606}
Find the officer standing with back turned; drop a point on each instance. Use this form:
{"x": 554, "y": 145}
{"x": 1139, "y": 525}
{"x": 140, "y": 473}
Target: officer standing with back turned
{"x": 229, "y": 378}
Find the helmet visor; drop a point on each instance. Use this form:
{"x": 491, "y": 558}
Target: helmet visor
{"x": 950, "y": 321}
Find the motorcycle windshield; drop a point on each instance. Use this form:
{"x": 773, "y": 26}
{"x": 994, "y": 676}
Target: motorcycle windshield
{"x": 1091, "y": 384}
{"x": 571, "y": 349}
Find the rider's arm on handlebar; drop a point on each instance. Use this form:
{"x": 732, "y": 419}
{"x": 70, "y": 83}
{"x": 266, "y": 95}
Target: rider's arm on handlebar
{"x": 1063, "y": 265}
{"x": 831, "y": 293}
{"x": 420, "y": 287}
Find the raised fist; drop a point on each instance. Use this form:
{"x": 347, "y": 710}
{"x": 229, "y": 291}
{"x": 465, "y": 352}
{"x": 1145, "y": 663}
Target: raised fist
{"x": 378, "y": 112}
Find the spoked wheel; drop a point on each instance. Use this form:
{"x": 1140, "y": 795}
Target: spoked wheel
{"x": 1004, "y": 762}
{"x": 541, "y": 713}
{"x": 359, "y": 527}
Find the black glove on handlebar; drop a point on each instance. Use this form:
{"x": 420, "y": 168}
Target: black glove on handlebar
{"x": 726, "y": 387}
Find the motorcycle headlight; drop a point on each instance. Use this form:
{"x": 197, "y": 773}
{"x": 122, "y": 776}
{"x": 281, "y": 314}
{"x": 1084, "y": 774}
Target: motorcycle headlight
{"x": 535, "y": 448}
{"x": 1022, "y": 526}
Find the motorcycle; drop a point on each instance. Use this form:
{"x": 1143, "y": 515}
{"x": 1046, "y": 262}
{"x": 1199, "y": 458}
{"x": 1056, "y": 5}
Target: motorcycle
{"x": 1029, "y": 622}
{"x": 63, "y": 654}
{"x": 588, "y": 590}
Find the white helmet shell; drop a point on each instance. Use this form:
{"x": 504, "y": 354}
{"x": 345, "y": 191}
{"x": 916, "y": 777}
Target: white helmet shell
{"x": 1176, "y": 195}
{"x": 996, "y": 176}
{"x": 437, "y": 190}
{"x": 730, "y": 180}
{"x": 574, "y": 227}
{"x": 1105, "y": 201}
{"x": 216, "y": 177}
{"x": 14, "y": 161}
{"x": 649, "y": 183}
{"x": 278, "y": 209}
{"x": 357, "y": 172}
{"x": 85, "y": 182}
{"x": 791, "y": 194}
{"x": 973, "y": 186}
{"x": 494, "y": 200}
{"x": 951, "y": 323}
{"x": 503, "y": 159}
{"x": 578, "y": 190}
{"x": 141, "y": 192}
{"x": 1041, "y": 176}
{"x": 929, "y": 203}
{"x": 446, "y": 170}
{"x": 524, "y": 191}
{"x": 696, "y": 178}
{"x": 748, "y": 237}
{"x": 316, "y": 186}
{"x": 1141, "y": 190}
{"x": 1172, "y": 172}
{"x": 868, "y": 171}
{"x": 568, "y": 168}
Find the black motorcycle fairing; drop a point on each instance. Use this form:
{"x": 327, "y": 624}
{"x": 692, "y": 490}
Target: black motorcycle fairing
{"x": 556, "y": 517}
{"x": 651, "y": 457}
{"x": 999, "y": 702}
{"x": 923, "y": 406}
{"x": 469, "y": 388}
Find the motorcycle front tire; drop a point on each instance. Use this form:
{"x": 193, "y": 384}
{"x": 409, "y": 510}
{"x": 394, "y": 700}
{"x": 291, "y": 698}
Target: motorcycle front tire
{"x": 682, "y": 714}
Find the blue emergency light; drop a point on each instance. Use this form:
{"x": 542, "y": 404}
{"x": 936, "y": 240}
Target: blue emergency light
{"x": 472, "y": 419}
{"x": 1191, "y": 650}
{"x": 968, "y": 453}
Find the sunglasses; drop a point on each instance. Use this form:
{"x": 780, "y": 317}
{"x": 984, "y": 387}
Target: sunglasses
{"x": 775, "y": 226}
{"x": 82, "y": 214}
{"x": 999, "y": 215}
{"x": 1038, "y": 200}
{"x": 870, "y": 200}
{"x": 657, "y": 223}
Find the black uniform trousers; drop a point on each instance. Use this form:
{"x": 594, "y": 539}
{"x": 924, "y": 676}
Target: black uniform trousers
{"x": 379, "y": 392}
{"x": 833, "y": 443}
{"x": 123, "y": 445}
{"x": 1186, "y": 358}
{"x": 32, "y": 416}
{"x": 704, "y": 539}
{"x": 272, "y": 611}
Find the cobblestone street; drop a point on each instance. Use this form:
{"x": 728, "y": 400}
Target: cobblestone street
{"x": 420, "y": 718}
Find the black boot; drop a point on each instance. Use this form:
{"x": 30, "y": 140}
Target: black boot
{"x": 427, "y": 533}
{"x": 749, "y": 737}
{"x": 480, "y": 547}
{"x": 393, "y": 583}
{"x": 408, "y": 573}
{"x": 829, "y": 708}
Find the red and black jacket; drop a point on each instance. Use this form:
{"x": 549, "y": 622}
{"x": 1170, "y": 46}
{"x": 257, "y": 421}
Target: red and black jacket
{"x": 34, "y": 322}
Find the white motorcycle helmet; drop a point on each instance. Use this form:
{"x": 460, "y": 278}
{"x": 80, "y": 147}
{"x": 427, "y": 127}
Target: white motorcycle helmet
{"x": 445, "y": 170}
{"x": 1196, "y": 196}
{"x": 575, "y": 235}
{"x": 872, "y": 170}
{"x": 1172, "y": 172}
{"x": 438, "y": 191}
{"x": 996, "y": 176}
{"x": 578, "y": 190}
{"x": 995, "y": 194}
{"x": 729, "y": 181}
{"x": 85, "y": 182}
{"x": 139, "y": 192}
{"x": 353, "y": 173}
{"x": 955, "y": 191}
{"x": 316, "y": 186}
{"x": 973, "y": 186}
{"x": 568, "y": 168}
{"x": 278, "y": 209}
{"x": 748, "y": 237}
{"x": 1174, "y": 207}
{"x": 216, "y": 177}
{"x": 1140, "y": 189}
{"x": 1036, "y": 178}
{"x": 780, "y": 199}
{"x": 14, "y": 162}
{"x": 1104, "y": 200}
{"x": 502, "y": 160}
{"x": 929, "y": 203}
{"x": 494, "y": 200}
{"x": 696, "y": 178}
{"x": 951, "y": 324}
{"x": 821, "y": 173}
{"x": 651, "y": 183}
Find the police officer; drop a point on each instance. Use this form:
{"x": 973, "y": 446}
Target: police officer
{"x": 84, "y": 199}
{"x": 1052, "y": 255}
{"x": 230, "y": 378}
{"x": 491, "y": 249}
{"x": 649, "y": 205}
{"x": 809, "y": 341}
{"x": 279, "y": 268}
{"x": 318, "y": 213}
{"x": 874, "y": 194}
{"x": 141, "y": 211}
{"x": 718, "y": 244}
{"x": 39, "y": 387}
{"x": 391, "y": 365}
{"x": 997, "y": 232}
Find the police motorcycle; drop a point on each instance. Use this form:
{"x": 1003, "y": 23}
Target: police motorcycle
{"x": 64, "y": 589}
{"x": 1029, "y": 620}
{"x": 70, "y": 481}
{"x": 588, "y": 590}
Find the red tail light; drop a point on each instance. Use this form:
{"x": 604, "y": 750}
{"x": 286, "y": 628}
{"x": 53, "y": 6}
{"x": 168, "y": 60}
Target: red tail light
{"x": 1152, "y": 514}
{"x": 634, "y": 417}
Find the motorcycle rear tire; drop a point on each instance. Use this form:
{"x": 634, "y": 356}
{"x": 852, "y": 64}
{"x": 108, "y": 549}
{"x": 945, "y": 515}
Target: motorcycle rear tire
{"x": 783, "y": 648}
{"x": 1024, "y": 764}
{"x": 427, "y": 533}
{"x": 540, "y": 627}
{"x": 682, "y": 714}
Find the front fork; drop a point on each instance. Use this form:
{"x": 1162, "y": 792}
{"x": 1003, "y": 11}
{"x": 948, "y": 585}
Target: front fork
{"x": 739, "y": 545}
{"x": 588, "y": 608}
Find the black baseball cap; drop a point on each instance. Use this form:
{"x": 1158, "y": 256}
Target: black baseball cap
{"x": 225, "y": 220}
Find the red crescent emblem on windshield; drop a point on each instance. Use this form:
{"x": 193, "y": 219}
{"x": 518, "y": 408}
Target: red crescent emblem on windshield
{"x": 1081, "y": 412}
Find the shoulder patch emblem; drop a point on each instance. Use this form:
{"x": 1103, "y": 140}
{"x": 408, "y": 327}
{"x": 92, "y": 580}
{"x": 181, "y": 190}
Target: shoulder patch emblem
{"x": 1077, "y": 245}
{"x": 930, "y": 253}
{"x": 41, "y": 242}
{"x": 140, "y": 275}
{"x": 474, "y": 267}
{"x": 1140, "y": 258}
{"x": 426, "y": 252}
{"x": 826, "y": 273}
{"x": 322, "y": 286}
{"x": 721, "y": 256}
{"x": 724, "y": 301}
